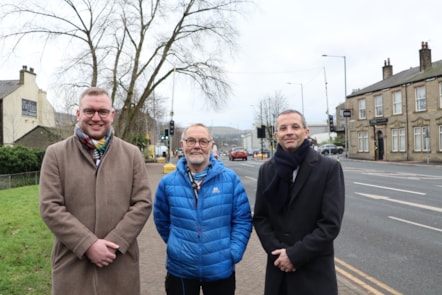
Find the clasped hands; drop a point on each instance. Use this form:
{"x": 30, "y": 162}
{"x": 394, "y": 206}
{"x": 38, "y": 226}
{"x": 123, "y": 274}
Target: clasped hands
{"x": 283, "y": 261}
{"x": 102, "y": 252}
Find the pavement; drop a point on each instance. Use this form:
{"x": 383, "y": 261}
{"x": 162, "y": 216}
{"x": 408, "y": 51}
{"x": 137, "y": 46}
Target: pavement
{"x": 249, "y": 272}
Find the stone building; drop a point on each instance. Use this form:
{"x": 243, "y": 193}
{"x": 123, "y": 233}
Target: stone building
{"x": 24, "y": 108}
{"x": 400, "y": 117}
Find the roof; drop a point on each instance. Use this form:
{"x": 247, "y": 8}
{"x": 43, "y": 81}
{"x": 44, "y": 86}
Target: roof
{"x": 7, "y": 87}
{"x": 411, "y": 75}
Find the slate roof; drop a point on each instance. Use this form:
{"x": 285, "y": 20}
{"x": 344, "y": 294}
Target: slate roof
{"x": 7, "y": 87}
{"x": 411, "y": 75}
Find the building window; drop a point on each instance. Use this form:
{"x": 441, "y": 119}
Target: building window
{"x": 362, "y": 114}
{"x": 378, "y": 106}
{"x": 440, "y": 138}
{"x": 363, "y": 141}
{"x": 440, "y": 95}
{"x": 397, "y": 103}
{"x": 421, "y": 139}
{"x": 28, "y": 107}
{"x": 421, "y": 102}
{"x": 398, "y": 140}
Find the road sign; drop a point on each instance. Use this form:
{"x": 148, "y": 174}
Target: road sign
{"x": 346, "y": 113}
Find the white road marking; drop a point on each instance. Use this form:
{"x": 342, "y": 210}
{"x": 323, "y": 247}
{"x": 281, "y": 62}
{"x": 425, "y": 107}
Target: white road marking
{"x": 415, "y": 223}
{"x": 391, "y": 188}
{"x": 377, "y": 197}
{"x": 251, "y": 178}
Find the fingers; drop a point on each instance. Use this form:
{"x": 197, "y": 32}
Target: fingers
{"x": 283, "y": 261}
{"x": 102, "y": 252}
{"x": 277, "y": 251}
{"x": 111, "y": 245}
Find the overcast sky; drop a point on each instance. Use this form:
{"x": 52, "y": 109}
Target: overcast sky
{"x": 283, "y": 41}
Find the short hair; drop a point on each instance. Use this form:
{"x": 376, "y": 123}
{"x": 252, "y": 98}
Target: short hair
{"x": 183, "y": 135}
{"x": 290, "y": 111}
{"x": 93, "y": 91}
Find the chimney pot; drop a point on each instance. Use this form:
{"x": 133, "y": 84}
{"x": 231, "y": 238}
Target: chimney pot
{"x": 425, "y": 57}
{"x": 387, "y": 69}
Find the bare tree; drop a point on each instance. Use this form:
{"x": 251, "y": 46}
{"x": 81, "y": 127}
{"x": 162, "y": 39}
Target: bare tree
{"x": 132, "y": 47}
{"x": 271, "y": 106}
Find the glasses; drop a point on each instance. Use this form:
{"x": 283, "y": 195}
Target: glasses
{"x": 202, "y": 142}
{"x": 103, "y": 113}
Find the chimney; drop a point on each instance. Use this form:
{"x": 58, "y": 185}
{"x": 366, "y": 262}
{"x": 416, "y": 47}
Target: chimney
{"x": 22, "y": 74}
{"x": 425, "y": 57}
{"x": 387, "y": 69}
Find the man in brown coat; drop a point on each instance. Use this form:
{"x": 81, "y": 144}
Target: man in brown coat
{"x": 95, "y": 198}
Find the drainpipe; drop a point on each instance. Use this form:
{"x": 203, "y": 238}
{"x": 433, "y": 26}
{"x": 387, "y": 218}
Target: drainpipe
{"x": 406, "y": 121}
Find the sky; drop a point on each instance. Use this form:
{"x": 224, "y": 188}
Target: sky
{"x": 280, "y": 47}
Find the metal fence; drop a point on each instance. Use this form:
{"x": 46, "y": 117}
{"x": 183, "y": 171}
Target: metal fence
{"x": 8, "y": 181}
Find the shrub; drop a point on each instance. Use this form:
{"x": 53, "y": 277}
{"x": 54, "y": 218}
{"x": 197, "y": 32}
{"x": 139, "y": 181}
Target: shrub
{"x": 20, "y": 159}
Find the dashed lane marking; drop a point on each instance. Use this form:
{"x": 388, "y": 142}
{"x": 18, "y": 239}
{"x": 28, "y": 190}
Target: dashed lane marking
{"x": 390, "y": 188}
{"x": 415, "y": 223}
{"x": 417, "y": 205}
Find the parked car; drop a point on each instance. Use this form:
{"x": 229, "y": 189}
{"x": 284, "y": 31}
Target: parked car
{"x": 180, "y": 153}
{"x": 330, "y": 148}
{"x": 215, "y": 151}
{"x": 238, "y": 153}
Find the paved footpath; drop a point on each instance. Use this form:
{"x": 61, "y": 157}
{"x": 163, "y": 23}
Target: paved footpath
{"x": 249, "y": 272}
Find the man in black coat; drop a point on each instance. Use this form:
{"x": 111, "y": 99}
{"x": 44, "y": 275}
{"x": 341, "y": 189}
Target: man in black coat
{"x": 298, "y": 212}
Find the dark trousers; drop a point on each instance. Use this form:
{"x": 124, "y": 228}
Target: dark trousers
{"x": 180, "y": 286}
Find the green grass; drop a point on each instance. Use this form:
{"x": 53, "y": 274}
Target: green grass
{"x": 25, "y": 244}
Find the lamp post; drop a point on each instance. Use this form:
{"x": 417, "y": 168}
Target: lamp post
{"x": 302, "y": 94}
{"x": 170, "y": 141}
{"x": 328, "y": 113}
{"x": 345, "y": 98}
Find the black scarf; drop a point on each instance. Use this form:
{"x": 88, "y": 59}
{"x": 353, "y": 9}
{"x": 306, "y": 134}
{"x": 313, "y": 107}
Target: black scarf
{"x": 278, "y": 190}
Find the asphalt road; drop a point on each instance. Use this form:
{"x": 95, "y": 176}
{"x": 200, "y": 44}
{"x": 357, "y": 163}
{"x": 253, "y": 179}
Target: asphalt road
{"x": 391, "y": 238}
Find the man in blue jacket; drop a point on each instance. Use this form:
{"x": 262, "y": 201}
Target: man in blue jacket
{"x": 202, "y": 212}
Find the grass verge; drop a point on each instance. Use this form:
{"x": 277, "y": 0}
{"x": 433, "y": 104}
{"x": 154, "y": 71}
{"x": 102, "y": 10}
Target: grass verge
{"x": 25, "y": 244}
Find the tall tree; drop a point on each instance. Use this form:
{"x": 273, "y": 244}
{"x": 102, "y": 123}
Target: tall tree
{"x": 131, "y": 46}
{"x": 270, "y": 107}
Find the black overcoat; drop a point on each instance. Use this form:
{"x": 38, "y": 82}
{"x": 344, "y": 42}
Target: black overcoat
{"x": 306, "y": 226}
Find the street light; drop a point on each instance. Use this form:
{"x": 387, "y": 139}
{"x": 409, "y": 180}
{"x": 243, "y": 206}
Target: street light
{"x": 302, "y": 94}
{"x": 345, "y": 98}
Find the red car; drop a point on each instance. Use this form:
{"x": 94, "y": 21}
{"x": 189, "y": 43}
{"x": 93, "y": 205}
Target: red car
{"x": 238, "y": 153}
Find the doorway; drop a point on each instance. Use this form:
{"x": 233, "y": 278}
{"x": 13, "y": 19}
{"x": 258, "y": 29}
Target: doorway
{"x": 380, "y": 146}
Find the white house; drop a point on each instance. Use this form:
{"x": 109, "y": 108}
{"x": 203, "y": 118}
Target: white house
{"x": 23, "y": 107}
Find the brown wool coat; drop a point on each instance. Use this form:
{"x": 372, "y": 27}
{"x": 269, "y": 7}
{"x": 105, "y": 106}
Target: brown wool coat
{"x": 80, "y": 203}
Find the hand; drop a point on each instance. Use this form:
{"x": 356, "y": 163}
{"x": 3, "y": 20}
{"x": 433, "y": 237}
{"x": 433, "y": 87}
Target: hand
{"x": 283, "y": 261}
{"x": 102, "y": 252}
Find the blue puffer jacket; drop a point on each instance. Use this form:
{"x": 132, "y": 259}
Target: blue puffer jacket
{"x": 204, "y": 241}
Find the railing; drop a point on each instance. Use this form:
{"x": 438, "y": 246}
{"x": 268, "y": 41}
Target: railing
{"x": 8, "y": 181}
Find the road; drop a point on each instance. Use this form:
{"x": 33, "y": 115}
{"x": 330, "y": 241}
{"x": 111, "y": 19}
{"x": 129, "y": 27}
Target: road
{"x": 391, "y": 237}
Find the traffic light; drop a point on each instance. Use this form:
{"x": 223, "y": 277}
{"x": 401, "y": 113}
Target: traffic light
{"x": 330, "y": 122}
{"x": 166, "y": 133}
{"x": 172, "y": 127}
{"x": 261, "y": 131}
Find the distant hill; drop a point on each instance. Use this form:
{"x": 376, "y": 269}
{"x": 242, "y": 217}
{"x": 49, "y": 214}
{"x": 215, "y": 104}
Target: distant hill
{"x": 221, "y": 130}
